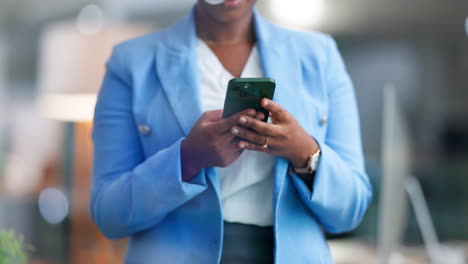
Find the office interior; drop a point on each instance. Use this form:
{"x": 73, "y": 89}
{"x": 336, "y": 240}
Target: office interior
{"x": 52, "y": 55}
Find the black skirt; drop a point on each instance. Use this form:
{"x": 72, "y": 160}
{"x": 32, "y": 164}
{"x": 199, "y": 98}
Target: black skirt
{"x": 247, "y": 244}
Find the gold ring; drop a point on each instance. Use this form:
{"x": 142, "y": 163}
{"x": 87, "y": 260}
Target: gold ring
{"x": 265, "y": 146}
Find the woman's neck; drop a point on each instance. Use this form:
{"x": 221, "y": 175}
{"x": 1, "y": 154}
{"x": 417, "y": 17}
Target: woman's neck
{"x": 234, "y": 32}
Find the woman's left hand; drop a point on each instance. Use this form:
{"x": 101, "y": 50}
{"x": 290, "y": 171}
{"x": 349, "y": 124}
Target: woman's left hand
{"x": 284, "y": 136}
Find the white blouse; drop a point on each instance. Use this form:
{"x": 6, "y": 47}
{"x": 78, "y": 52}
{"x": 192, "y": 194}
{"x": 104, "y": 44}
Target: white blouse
{"x": 247, "y": 184}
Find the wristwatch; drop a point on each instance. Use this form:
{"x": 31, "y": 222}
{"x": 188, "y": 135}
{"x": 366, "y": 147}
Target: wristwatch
{"x": 312, "y": 164}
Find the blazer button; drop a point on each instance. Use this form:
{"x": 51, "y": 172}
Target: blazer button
{"x": 323, "y": 120}
{"x": 144, "y": 129}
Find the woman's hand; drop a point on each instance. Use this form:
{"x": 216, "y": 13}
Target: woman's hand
{"x": 210, "y": 143}
{"x": 286, "y": 137}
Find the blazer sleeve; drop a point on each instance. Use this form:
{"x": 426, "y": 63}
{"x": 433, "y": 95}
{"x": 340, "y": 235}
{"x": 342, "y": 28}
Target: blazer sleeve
{"x": 341, "y": 191}
{"x": 131, "y": 193}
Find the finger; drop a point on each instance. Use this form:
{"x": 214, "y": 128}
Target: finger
{"x": 228, "y": 137}
{"x": 251, "y": 146}
{"x": 234, "y": 144}
{"x": 276, "y": 111}
{"x": 260, "y": 116}
{"x": 261, "y": 127}
{"x": 249, "y": 135}
{"x": 230, "y": 154}
{"x": 224, "y": 125}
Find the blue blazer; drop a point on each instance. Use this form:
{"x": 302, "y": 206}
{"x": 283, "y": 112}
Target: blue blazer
{"x": 148, "y": 103}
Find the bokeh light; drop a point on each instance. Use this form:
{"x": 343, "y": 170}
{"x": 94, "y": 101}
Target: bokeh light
{"x": 53, "y": 205}
{"x": 298, "y": 13}
{"x": 90, "y": 20}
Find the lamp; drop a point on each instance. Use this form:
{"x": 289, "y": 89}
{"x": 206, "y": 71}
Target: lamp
{"x": 72, "y": 66}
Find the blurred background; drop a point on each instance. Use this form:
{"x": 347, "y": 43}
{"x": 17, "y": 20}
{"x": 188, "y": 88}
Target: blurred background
{"x": 52, "y": 55}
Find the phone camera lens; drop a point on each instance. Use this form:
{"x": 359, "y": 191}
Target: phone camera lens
{"x": 236, "y": 88}
{"x": 243, "y": 93}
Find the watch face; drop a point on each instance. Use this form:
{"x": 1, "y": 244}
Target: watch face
{"x": 314, "y": 161}
{"x": 312, "y": 164}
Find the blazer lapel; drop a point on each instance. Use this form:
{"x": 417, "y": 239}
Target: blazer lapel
{"x": 176, "y": 66}
{"x": 177, "y": 69}
{"x": 280, "y": 62}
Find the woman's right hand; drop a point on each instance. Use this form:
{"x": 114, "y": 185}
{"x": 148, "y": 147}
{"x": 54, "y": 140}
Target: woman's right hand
{"x": 210, "y": 143}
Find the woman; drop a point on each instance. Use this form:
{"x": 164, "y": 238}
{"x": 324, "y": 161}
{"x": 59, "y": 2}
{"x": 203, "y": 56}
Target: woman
{"x": 190, "y": 187}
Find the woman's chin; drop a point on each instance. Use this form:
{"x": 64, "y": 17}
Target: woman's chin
{"x": 230, "y": 10}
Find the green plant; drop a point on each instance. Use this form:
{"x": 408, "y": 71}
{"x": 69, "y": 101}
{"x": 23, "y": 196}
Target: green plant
{"x": 12, "y": 248}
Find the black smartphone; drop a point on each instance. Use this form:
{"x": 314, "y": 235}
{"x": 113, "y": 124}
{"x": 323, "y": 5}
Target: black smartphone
{"x": 244, "y": 93}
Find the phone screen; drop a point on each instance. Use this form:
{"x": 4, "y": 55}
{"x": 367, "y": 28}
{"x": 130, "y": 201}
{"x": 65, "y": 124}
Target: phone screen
{"x": 244, "y": 93}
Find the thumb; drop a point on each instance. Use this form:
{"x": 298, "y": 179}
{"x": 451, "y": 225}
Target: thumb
{"x": 212, "y": 116}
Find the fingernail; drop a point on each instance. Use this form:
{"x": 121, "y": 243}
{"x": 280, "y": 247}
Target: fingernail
{"x": 235, "y": 131}
{"x": 251, "y": 112}
{"x": 265, "y": 102}
{"x": 243, "y": 119}
{"x": 242, "y": 145}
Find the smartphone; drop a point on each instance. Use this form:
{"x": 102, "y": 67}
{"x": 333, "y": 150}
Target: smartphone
{"x": 245, "y": 93}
